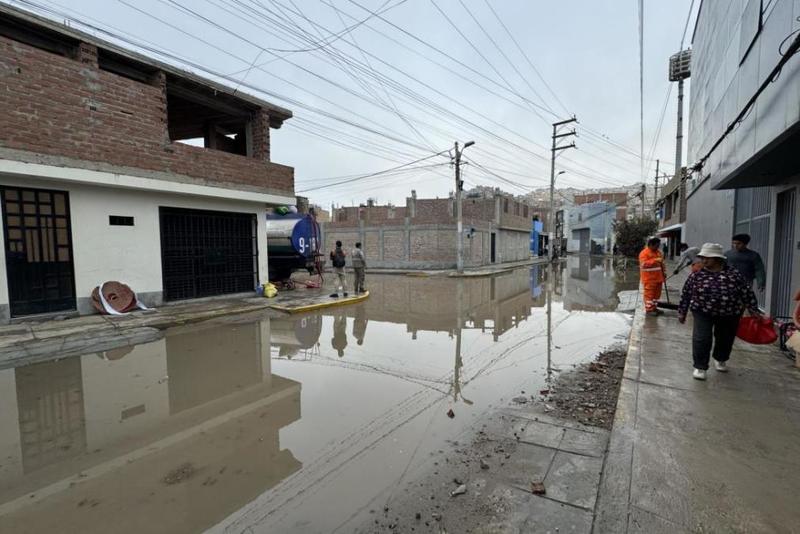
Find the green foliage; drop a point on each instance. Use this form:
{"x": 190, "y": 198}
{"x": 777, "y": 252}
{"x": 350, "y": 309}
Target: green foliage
{"x": 632, "y": 235}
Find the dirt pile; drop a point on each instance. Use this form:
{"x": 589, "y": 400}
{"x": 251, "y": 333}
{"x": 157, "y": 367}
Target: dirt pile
{"x": 588, "y": 394}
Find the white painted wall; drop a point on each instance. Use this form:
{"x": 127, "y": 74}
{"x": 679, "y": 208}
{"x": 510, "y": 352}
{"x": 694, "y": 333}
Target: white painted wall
{"x": 129, "y": 254}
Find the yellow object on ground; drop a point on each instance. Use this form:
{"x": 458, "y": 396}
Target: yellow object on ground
{"x": 270, "y": 290}
{"x": 330, "y": 302}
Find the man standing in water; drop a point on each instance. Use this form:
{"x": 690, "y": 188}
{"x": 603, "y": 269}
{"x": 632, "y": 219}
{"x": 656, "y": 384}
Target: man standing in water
{"x": 359, "y": 266}
{"x": 651, "y": 269}
{"x": 338, "y": 261}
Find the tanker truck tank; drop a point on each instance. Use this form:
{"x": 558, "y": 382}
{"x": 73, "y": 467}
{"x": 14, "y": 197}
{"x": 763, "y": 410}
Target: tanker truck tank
{"x": 292, "y": 244}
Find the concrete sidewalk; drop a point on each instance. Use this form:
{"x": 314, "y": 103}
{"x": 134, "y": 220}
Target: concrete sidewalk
{"x": 689, "y": 456}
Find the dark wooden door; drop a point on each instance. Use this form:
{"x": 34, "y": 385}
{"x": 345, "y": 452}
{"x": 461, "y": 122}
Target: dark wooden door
{"x": 38, "y": 248}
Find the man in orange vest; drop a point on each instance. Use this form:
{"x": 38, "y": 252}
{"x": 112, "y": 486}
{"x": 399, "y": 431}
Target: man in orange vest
{"x": 651, "y": 267}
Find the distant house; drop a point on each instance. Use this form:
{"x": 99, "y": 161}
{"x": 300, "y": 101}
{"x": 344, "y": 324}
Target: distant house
{"x": 422, "y": 234}
{"x": 102, "y": 178}
{"x": 589, "y": 228}
{"x": 619, "y": 199}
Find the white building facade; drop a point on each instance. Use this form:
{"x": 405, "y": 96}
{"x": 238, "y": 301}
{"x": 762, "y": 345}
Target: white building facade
{"x": 744, "y": 129}
{"x": 97, "y": 185}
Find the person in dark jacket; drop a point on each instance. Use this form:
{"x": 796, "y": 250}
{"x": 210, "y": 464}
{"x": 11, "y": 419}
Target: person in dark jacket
{"x": 717, "y": 295}
{"x": 747, "y": 262}
{"x": 338, "y": 261}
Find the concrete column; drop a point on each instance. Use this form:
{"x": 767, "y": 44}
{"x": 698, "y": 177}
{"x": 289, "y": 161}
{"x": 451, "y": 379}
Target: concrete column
{"x": 258, "y": 140}
{"x": 159, "y": 80}
{"x": 407, "y": 240}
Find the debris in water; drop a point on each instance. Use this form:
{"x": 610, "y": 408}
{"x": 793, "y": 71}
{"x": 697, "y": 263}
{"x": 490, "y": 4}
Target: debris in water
{"x": 520, "y": 400}
{"x": 461, "y": 490}
{"x": 181, "y": 473}
{"x": 544, "y": 392}
{"x": 418, "y": 516}
{"x": 537, "y": 488}
{"x": 484, "y": 464}
{"x": 451, "y": 413}
{"x": 457, "y": 481}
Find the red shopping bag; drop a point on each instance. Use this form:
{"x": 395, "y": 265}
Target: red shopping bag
{"x": 757, "y": 330}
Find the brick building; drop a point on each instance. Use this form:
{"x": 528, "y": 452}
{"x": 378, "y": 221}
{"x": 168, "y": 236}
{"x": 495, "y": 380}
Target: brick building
{"x": 96, "y": 185}
{"x": 620, "y": 199}
{"x": 422, "y": 234}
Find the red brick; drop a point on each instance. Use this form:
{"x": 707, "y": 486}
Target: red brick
{"x": 46, "y": 110}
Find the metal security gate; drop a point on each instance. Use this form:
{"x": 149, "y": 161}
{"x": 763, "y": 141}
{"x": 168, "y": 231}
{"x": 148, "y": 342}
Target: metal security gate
{"x": 784, "y": 250}
{"x": 38, "y": 248}
{"x": 752, "y": 216}
{"x": 207, "y": 253}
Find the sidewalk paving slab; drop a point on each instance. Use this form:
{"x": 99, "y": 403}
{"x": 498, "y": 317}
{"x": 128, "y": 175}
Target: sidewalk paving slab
{"x": 720, "y": 455}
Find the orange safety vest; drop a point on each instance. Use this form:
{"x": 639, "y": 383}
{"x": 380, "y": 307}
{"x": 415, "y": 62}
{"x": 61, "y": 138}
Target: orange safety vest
{"x": 651, "y": 266}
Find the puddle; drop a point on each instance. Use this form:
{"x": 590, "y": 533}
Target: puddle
{"x": 299, "y": 424}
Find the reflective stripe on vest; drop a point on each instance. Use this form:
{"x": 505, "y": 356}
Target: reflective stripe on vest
{"x": 651, "y": 269}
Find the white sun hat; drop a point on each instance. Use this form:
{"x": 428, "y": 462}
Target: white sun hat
{"x": 711, "y": 250}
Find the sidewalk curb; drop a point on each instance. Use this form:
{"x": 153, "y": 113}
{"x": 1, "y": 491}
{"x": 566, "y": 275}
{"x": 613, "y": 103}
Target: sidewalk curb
{"x": 613, "y": 501}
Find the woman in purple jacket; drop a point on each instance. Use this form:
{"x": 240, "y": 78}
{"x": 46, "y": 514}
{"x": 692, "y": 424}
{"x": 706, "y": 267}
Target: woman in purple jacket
{"x": 717, "y": 295}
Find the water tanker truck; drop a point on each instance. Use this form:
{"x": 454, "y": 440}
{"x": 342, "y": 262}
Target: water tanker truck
{"x": 292, "y": 244}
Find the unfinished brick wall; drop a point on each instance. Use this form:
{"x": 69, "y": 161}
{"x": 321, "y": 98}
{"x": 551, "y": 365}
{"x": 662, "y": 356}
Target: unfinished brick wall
{"x": 434, "y": 211}
{"x": 394, "y": 245}
{"x": 374, "y": 215}
{"x": 60, "y": 106}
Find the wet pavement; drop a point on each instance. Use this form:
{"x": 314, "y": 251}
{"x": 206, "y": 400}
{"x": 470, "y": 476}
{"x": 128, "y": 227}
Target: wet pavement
{"x": 301, "y": 423}
{"x": 690, "y": 456}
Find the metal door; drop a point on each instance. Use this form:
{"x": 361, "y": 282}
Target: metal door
{"x": 207, "y": 253}
{"x": 493, "y": 249}
{"x": 38, "y": 247}
{"x": 583, "y": 236}
{"x": 784, "y": 250}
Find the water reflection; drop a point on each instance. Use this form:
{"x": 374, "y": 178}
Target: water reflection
{"x": 590, "y": 285}
{"x": 170, "y": 436}
{"x": 203, "y": 429}
{"x": 492, "y": 304}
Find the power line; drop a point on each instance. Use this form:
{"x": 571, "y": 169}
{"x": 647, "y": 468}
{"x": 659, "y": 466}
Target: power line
{"x": 377, "y": 173}
{"x": 329, "y": 115}
{"x": 641, "y": 86}
{"x": 527, "y": 59}
{"x": 686, "y": 26}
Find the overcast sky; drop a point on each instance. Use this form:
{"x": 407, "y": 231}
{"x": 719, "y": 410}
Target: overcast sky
{"x": 374, "y": 92}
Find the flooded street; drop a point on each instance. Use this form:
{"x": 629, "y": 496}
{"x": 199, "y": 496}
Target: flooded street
{"x": 297, "y": 424}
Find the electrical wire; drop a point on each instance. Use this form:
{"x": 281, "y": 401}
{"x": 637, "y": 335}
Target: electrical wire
{"x": 372, "y": 131}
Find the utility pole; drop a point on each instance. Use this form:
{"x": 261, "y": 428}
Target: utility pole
{"x": 679, "y": 136}
{"x": 459, "y": 216}
{"x": 680, "y": 68}
{"x": 554, "y": 151}
{"x": 642, "y": 196}
{"x": 655, "y": 193}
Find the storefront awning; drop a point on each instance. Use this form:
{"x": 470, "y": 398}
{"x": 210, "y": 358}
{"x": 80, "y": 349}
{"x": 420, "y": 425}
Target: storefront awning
{"x": 668, "y": 229}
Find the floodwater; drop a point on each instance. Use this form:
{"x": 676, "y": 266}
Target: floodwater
{"x": 299, "y": 424}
